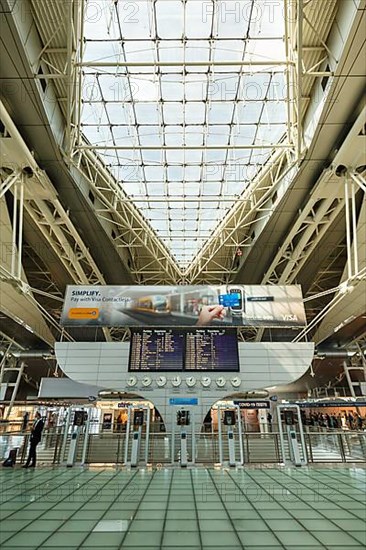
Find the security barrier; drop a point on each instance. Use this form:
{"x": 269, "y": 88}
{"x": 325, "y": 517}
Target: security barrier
{"x": 326, "y": 446}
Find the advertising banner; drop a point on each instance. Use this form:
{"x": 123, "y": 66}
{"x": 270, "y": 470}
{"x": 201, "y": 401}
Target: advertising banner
{"x": 179, "y": 306}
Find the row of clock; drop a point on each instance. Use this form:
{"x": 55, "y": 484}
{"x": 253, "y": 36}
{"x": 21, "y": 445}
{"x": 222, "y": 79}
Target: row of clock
{"x": 176, "y": 381}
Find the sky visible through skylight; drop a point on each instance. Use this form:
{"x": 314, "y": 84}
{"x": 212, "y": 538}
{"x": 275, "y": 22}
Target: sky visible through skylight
{"x": 208, "y": 115}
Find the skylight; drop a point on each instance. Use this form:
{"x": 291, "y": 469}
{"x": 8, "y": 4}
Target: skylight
{"x": 184, "y": 100}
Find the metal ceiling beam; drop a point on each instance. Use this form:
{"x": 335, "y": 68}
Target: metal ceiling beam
{"x": 38, "y": 198}
{"x": 182, "y": 64}
{"x": 306, "y": 233}
{"x": 126, "y": 216}
{"x": 132, "y": 230}
{"x": 169, "y": 270}
{"x": 7, "y": 343}
{"x": 56, "y": 227}
{"x": 240, "y": 218}
{"x": 180, "y": 148}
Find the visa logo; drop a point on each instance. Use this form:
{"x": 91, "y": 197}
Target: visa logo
{"x": 289, "y": 317}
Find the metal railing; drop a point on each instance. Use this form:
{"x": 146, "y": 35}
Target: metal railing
{"x": 326, "y": 446}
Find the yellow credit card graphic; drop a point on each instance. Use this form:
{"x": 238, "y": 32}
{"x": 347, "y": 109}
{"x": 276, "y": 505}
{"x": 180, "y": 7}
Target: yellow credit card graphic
{"x": 83, "y": 313}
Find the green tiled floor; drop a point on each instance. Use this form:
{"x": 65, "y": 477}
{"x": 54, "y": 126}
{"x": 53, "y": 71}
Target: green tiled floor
{"x": 200, "y": 509}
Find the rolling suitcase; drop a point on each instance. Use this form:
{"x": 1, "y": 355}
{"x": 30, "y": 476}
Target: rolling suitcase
{"x": 10, "y": 461}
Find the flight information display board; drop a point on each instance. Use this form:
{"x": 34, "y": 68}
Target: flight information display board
{"x": 197, "y": 349}
{"x": 211, "y": 350}
{"x": 156, "y": 350}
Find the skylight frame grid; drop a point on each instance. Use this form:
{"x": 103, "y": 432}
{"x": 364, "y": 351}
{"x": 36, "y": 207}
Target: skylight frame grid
{"x": 136, "y": 139}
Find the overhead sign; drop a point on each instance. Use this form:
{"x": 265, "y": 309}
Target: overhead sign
{"x": 248, "y": 404}
{"x": 183, "y": 401}
{"x": 341, "y": 404}
{"x": 177, "y": 306}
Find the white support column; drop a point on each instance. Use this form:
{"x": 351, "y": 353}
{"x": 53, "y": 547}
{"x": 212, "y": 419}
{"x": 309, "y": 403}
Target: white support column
{"x": 147, "y": 434}
{"x": 300, "y": 18}
{"x": 69, "y": 8}
{"x": 348, "y": 227}
{"x": 354, "y": 229}
{"x": 79, "y": 33}
{"x": 240, "y": 432}
{"x": 14, "y": 230}
{"x": 20, "y": 227}
{"x": 86, "y": 437}
{"x": 129, "y": 411}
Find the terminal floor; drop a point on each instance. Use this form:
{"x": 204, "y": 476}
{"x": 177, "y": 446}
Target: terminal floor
{"x": 171, "y": 509}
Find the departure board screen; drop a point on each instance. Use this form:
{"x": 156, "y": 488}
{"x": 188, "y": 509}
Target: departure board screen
{"x": 156, "y": 350}
{"x": 206, "y": 349}
{"x": 211, "y": 350}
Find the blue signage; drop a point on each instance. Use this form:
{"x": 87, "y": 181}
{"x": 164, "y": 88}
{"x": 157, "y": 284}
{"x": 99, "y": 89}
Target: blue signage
{"x": 183, "y": 401}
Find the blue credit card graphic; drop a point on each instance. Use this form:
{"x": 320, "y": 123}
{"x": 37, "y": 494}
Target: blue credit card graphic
{"x": 229, "y": 300}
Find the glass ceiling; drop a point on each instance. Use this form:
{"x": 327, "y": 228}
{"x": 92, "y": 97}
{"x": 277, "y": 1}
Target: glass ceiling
{"x": 182, "y": 127}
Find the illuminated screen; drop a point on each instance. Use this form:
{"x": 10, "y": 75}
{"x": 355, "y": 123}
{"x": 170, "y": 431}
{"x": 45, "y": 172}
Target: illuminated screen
{"x": 190, "y": 349}
{"x": 156, "y": 350}
{"x": 211, "y": 350}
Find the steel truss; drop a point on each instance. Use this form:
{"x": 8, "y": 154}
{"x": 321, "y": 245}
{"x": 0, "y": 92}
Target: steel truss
{"x": 326, "y": 281}
{"x": 134, "y": 232}
{"x": 11, "y": 370}
{"x": 356, "y": 363}
{"x": 356, "y": 273}
{"x": 235, "y": 230}
{"x": 8, "y": 345}
{"x": 53, "y": 222}
{"x": 335, "y": 191}
{"x": 62, "y": 60}
{"x": 151, "y": 261}
{"x": 38, "y": 274}
{"x": 34, "y": 193}
{"x": 314, "y": 220}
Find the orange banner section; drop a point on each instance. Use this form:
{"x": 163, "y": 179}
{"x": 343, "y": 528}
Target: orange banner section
{"x": 83, "y": 313}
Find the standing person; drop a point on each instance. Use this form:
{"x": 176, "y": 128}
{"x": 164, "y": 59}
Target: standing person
{"x": 35, "y": 438}
{"x": 350, "y": 420}
{"x": 208, "y": 422}
{"x": 25, "y": 421}
{"x": 269, "y": 421}
{"x": 119, "y": 422}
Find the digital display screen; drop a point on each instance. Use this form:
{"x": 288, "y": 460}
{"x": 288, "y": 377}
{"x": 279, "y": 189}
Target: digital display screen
{"x": 212, "y": 350}
{"x": 156, "y": 350}
{"x": 197, "y": 349}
